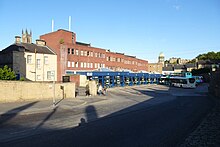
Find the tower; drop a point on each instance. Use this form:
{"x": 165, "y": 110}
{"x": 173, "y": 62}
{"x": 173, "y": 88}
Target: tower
{"x": 26, "y": 37}
{"x": 161, "y": 58}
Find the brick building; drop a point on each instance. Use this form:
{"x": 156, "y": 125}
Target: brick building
{"x": 75, "y": 56}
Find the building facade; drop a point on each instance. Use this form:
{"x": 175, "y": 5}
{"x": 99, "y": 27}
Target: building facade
{"x": 155, "y": 67}
{"x": 178, "y": 61}
{"x": 75, "y": 56}
{"x": 35, "y": 62}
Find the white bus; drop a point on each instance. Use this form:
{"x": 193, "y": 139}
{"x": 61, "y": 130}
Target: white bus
{"x": 182, "y": 82}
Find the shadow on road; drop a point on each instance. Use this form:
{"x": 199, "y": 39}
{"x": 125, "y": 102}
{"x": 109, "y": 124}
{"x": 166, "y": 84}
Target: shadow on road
{"x": 12, "y": 113}
{"x": 90, "y": 114}
{"x": 47, "y": 118}
{"x": 164, "y": 124}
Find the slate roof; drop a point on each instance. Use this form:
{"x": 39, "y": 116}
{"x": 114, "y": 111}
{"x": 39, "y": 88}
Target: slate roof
{"x": 190, "y": 65}
{"x": 208, "y": 61}
{"x": 179, "y": 66}
{"x": 168, "y": 68}
{"x": 27, "y": 47}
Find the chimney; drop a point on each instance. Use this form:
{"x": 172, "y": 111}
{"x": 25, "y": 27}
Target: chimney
{"x": 17, "y": 39}
{"x": 40, "y": 42}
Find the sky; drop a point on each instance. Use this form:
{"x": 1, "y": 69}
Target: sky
{"x": 142, "y": 28}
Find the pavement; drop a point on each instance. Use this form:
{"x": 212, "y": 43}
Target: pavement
{"x": 41, "y": 106}
{"x": 207, "y": 134}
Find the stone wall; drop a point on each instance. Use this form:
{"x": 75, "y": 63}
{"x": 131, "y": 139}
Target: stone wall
{"x": 92, "y": 87}
{"x": 17, "y": 91}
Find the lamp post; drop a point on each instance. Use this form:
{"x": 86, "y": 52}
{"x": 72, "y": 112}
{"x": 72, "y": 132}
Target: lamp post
{"x": 53, "y": 75}
{"x": 35, "y": 68}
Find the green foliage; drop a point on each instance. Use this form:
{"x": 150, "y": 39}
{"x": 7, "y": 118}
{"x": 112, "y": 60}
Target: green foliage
{"x": 166, "y": 62}
{"x": 200, "y": 71}
{"x": 61, "y": 41}
{"x": 209, "y": 55}
{"x": 7, "y": 74}
{"x": 192, "y": 61}
{"x": 22, "y": 79}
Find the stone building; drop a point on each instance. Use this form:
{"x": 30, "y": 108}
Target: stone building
{"x": 155, "y": 67}
{"x": 35, "y": 62}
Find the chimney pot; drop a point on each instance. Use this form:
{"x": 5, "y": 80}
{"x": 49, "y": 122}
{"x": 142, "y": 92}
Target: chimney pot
{"x": 17, "y": 39}
{"x": 40, "y": 42}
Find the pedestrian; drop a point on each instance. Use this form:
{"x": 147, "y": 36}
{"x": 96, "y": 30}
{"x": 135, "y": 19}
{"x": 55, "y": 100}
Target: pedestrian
{"x": 105, "y": 90}
{"x": 100, "y": 90}
{"x": 87, "y": 90}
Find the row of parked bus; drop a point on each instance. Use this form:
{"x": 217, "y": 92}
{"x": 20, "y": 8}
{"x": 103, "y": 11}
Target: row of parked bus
{"x": 185, "y": 80}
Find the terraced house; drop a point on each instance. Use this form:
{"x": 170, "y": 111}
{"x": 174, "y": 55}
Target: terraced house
{"x": 34, "y": 62}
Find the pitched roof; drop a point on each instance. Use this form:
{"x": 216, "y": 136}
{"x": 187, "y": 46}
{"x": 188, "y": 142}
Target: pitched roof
{"x": 168, "y": 68}
{"x": 27, "y": 47}
{"x": 178, "y": 66}
{"x": 190, "y": 65}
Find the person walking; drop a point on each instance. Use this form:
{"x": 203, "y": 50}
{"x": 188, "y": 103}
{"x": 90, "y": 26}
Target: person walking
{"x": 100, "y": 90}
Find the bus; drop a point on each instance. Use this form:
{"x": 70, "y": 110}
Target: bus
{"x": 183, "y": 82}
{"x": 199, "y": 79}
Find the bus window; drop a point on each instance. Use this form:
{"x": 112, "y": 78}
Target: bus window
{"x": 191, "y": 80}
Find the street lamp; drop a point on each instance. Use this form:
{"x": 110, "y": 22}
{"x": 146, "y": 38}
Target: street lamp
{"x": 53, "y": 75}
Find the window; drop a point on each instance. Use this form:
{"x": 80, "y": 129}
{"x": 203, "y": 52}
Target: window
{"x": 84, "y": 64}
{"x": 91, "y": 65}
{"x": 191, "y": 80}
{"x": 81, "y": 64}
{"x": 68, "y": 50}
{"x": 102, "y": 55}
{"x": 45, "y": 59}
{"x": 72, "y": 50}
{"x": 88, "y": 65}
{"x": 38, "y": 77}
{"x": 81, "y": 53}
{"x": 48, "y": 75}
{"x": 68, "y": 64}
{"x": 85, "y": 53}
{"x": 76, "y": 64}
{"x": 91, "y": 54}
{"x": 73, "y": 64}
{"x": 95, "y": 65}
{"x": 95, "y": 54}
{"x": 77, "y": 52}
{"x": 38, "y": 63}
{"x": 29, "y": 59}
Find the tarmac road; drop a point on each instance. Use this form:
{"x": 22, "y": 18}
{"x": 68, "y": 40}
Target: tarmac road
{"x": 148, "y": 117}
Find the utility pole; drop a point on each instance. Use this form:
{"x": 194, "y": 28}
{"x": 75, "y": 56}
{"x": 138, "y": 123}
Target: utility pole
{"x": 35, "y": 52}
{"x": 53, "y": 74}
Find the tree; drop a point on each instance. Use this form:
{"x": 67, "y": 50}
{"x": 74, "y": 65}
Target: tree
{"x": 61, "y": 41}
{"x": 209, "y": 56}
{"x": 7, "y": 74}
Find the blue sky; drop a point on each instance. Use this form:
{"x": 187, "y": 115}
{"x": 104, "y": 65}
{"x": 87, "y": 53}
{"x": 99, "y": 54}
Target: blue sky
{"x": 143, "y": 28}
